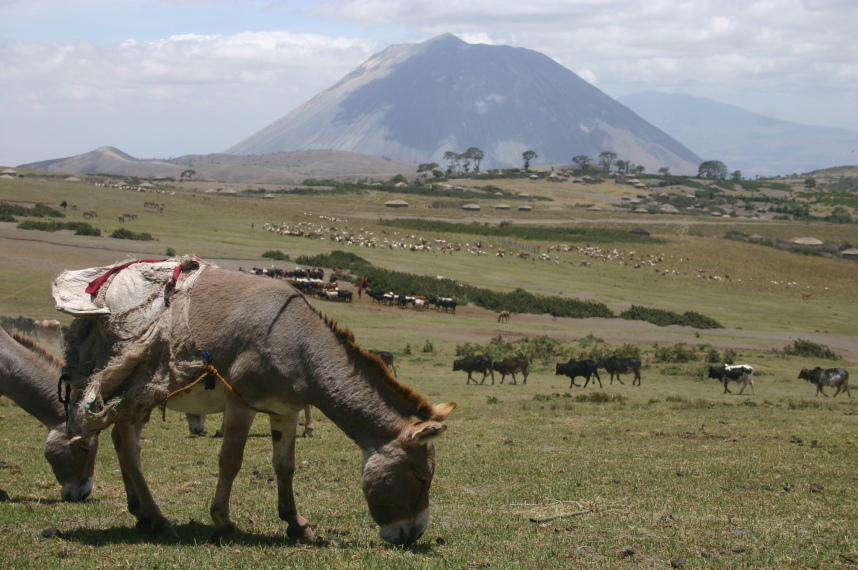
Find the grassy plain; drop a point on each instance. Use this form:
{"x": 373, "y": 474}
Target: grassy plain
{"x": 672, "y": 469}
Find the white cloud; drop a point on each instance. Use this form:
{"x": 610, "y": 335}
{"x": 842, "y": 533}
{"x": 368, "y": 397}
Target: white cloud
{"x": 248, "y": 65}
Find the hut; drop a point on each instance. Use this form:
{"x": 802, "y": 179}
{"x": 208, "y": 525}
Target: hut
{"x": 396, "y": 204}
{"x": 269, "y": 196}
{"x": 851, "y": 254}
{"x": 524, "y": 208}
{"x": 471, "y": 207}
{"x": 502, "y": 207}
{"x": 808, "y": 241}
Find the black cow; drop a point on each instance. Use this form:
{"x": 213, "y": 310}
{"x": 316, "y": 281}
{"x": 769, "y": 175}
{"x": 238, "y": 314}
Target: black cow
{"x": 740, "y": 374}
{"x": 833, "y": 377}
{"x": 386, "y": 357}
{"x": 511, "y": 366}
{"x": 449, "y": 305}
{"x": 616, "y": 366}
{"x": 583, "y": 368}
{"x": 469, "y": 364}
{"x": 345, "y": 296}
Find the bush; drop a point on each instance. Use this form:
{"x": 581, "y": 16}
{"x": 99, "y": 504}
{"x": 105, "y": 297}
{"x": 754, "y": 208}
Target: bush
{"x": 810, "y": 349}
{"x": 80, "y": 228}
{"x": 280, "y": 256}
{"x": 663, "y": 318}
{"x": 37, "y": 211}
{"x": 679, "y": 352}
{"x": 122, "y": 233}
{"x": 170, "y": 252}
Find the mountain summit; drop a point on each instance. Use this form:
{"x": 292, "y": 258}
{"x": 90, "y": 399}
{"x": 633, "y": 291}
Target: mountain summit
{"x": 417, "y": 101}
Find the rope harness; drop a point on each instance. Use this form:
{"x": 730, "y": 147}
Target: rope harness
{"x": 210, "y": 375}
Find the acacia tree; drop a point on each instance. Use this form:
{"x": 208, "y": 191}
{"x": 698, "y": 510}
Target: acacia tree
{"x": 454, "y": 159}
{"x": 664, "y": 170}
{"x": 623, "y": 165}
{"x": 606, "y": 159}
{"x": 583, "y": 161}
{"x": 424, "y": 169}
{"x": 528, "y": 155}
{"x": 476, "y": 155}
{"x": 712, "y": 169}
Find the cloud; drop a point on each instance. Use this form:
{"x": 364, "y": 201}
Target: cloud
{"x": 248, "y": 65}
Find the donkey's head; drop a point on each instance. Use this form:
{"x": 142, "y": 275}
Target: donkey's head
{"x": 397, "y": 477}
{"x": 73, "y": 460}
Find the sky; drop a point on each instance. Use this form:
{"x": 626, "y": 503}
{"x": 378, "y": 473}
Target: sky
{"x": 167, "y": 78}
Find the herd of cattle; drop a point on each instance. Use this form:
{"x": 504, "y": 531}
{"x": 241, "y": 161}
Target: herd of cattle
{"x": 742, "y": 374}
{"x": 46, "y": 329}
{"x": 585, "y": 368}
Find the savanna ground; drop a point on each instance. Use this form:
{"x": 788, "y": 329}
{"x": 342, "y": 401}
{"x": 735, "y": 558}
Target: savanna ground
{"x": 635, "y": 476}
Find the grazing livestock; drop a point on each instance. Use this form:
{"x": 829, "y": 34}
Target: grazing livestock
{"x": 471, "y": 364}
{"x": 503, "y": 317}
{"x": 276, "y": 354}
{"x": 344, "y": 296}
{"x": 47, "y": 328}
{"x": 616, "y": 366}
{"x": 741, "y": 374}
{"x": 511, "y": 366}
{"x": 832, "y": 377}
{"x": 583, "y": 368}
{"x": 449, "y": 305}
{"x": 28, "y": 377}
{"x": 386, "y": 357}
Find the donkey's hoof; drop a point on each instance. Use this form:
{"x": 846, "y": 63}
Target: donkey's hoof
{"x": 223, "y": 535}
{"x": 156, "y": 527}
{"x": 302, "y": 533}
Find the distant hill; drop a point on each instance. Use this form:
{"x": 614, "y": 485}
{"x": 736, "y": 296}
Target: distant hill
{"x": 278, "y": 168}
{"x": 746, "y": 141}
{"x": 417, "y": 101}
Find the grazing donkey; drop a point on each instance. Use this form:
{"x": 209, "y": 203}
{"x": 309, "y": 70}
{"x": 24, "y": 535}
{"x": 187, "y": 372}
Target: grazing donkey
{"x": 28, "y": 377}
{"x": 273, "y": 353}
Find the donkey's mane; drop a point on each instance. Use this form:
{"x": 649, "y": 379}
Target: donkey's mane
{"x": 347, "y": 337}
{"x": 38, "y": 350}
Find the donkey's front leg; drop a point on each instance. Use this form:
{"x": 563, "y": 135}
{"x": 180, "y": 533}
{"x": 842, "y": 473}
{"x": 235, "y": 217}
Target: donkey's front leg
{"x": 141, "y": 504}
{"x": 237, "y": 420}
{"x": 283, "y": 430}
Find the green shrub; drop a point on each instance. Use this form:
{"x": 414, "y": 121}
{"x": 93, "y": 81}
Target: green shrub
{"x": 662, "y": 318}
{"x": 170, "y": 252}
{"x": 122, "y": 233}
{"x": 37, "y": 211}
{"x": 280, "y": 256}
{"x": 810, "y": 349}
{"x": 80, "y": 228}
{"x": 679, "y": 352}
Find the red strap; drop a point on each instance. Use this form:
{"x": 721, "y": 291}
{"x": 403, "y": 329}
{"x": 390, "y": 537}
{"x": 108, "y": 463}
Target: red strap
{"x": 96, "y": 283}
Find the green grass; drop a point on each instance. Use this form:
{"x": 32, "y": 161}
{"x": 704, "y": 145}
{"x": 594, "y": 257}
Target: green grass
{"x": 643, "y": 475}
{"x": 673, "y": 469}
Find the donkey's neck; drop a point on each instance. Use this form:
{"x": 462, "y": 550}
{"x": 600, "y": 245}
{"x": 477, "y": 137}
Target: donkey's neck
{"x": 28, "y": 381}
{"x": 357, "y": 393}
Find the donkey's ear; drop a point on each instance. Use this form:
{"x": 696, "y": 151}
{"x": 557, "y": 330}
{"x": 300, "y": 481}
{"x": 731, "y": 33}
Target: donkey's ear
{"x": 423, "y": 432}
{"x": 441, "y": 411}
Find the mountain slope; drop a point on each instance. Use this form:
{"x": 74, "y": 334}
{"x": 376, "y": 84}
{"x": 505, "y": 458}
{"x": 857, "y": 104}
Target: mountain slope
{"x": 417, "y": 101}
{"x": 277, "y": 168}
{"x": 746, "y": 141}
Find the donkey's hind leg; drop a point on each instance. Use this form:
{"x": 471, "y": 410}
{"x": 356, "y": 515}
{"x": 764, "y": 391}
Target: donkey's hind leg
{"x": 283, "y": 431}
{"x": 237, "y": 420}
